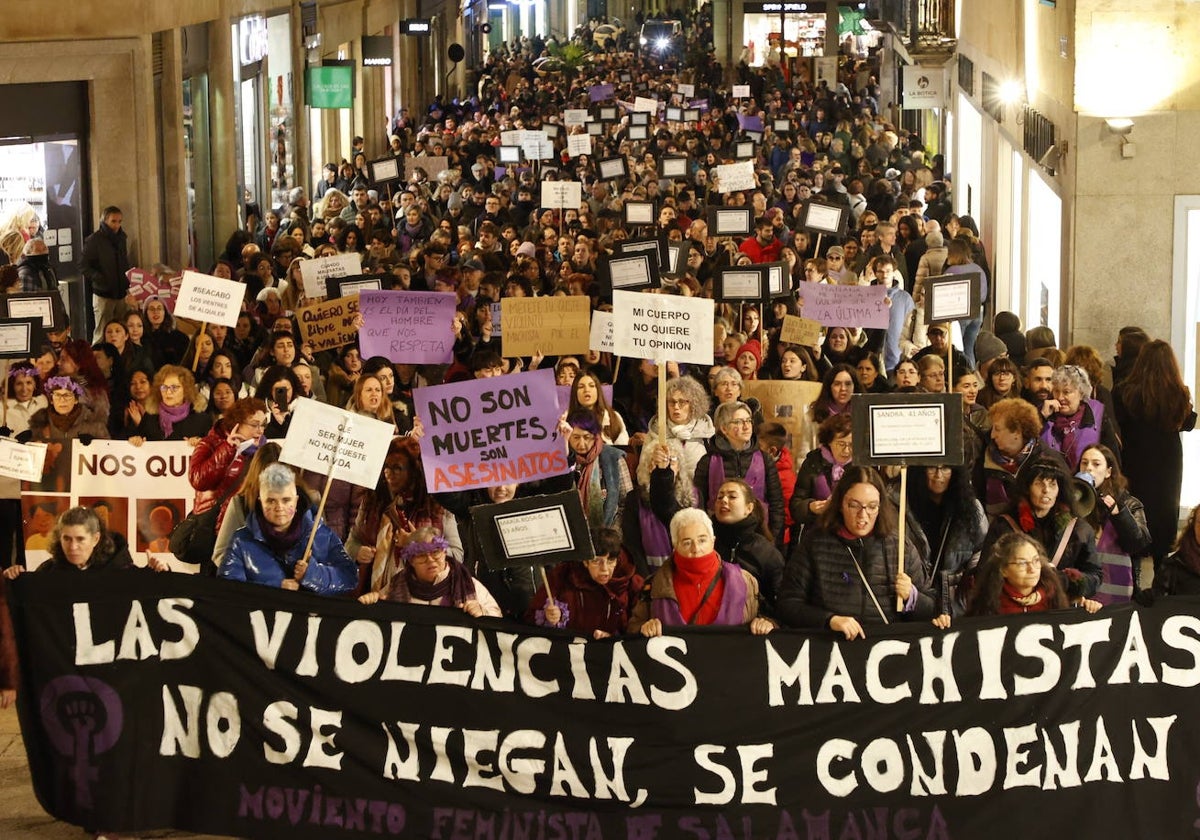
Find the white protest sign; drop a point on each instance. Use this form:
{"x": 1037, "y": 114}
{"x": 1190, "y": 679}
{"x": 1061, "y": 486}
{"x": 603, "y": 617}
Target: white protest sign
{"x": 579, "y": 144}
{"x": 734, "y": 177}
{"x": 23, "y": 461}
{"x": 575, "y": 116}
{"x": 537, "y": 147}
{"x": 210, "y": 299}
{"x": 601, "y": 338}
{"x": 644, "y": 103}
{"x": 741, "y": 91}
{"x": 322, "y": 437}
{"x": 512, "y": 138}
{"x": 562, "y": 194}
{"x": 660, "y": 326}
{"x": 687, "y": 91}
{"x": 314, "y": 273}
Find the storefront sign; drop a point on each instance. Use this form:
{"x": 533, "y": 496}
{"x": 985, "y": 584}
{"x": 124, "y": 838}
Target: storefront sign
{"x": 330, "y": 87}
{"x": 376, "y": 51}
{"x": 924, "y": 87}
{"x": 784, "y": 8}
{"x": 307, "y": 717}
{"x": 252, "y": 39}
{"x": 416, "y": 26}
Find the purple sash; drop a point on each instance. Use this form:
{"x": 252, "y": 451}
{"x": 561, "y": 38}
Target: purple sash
{"x": 1116, "y": 583}
{"x": 756, "y": 477}
{"x": 656, "y": 539}
{"x": 733, "y": 602}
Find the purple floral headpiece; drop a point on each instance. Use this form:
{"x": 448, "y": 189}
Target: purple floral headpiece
{"x": 63, "y": 383}
{"x": 412, "y": 549}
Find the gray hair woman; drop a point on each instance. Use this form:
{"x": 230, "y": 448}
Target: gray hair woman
{"x": 270, "y": 548}
{"x": 727, "y": 385}
{"x": 695, "y": 587}
{"x": 687, "y": 423}
{"x": 1073, "y": 420}
{"x": 734, "y": 453}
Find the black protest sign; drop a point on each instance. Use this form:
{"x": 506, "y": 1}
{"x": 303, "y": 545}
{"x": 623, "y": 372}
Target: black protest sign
{"x": 907, "y": 429}
{"x": 21, "y": 338}
{"x": 533, "y": 531}
{"x": 953, "y": 297}
{"x": 312, "y": 717}
{"x": 821, "y": 218}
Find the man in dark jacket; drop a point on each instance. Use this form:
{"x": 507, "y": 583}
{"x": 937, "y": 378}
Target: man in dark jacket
{"x": 103, "y": 264}
{"x": 34, "y": 269}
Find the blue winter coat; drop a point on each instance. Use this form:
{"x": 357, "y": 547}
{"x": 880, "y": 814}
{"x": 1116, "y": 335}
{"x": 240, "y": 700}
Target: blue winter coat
{"x": 249, "y": 558}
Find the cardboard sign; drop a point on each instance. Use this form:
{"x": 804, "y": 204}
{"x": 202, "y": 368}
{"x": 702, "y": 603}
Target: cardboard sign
{"x": 803, "y": 331}
{"x": 314, "y": 273}
{"x": 533, "y": 531}
{"x": 663, "y": 327}
{"x": 431, "y": 165}
{"x": 328, "y": 324}
{"x": 486, "y": 432}
{"x": 578, "y": 144}
{"x": 563, "y": 194}
{"x": 552, "y": 326}
{"x": 212, "y": 300}
{"x": 144, "y": 284}
{"x": 953, "y": 297}
{"x": 785, "y": 402}
{"x": 141, "y": 492}
{"x": 600, "y": 337}
{"x": 22, "y": 460}
{"x": 734, "y": 177}
{"x": 333, "y": 442}
{"x": 908, "y": 429}
{"x": 412, "y": 327}
{"x": 844, "y": 306}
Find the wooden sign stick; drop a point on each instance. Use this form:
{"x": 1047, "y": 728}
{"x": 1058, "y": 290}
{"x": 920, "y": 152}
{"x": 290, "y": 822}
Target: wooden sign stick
{"x": 324, "y": 498}
{"x": 196, "y": 346}
{"x": 662, "y": 400}
{"x": 900, "y": 545}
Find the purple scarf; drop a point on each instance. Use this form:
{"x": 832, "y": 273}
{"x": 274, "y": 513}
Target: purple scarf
{"x": 823, "y": 486}
{"x": 454, "y": 589}
{"x": 168, "y": 416}
{"x": 280, "y": 540}
{"x": 733, "y": 602}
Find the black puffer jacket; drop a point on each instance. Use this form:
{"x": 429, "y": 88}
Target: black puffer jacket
{"x": 744, "y": 544}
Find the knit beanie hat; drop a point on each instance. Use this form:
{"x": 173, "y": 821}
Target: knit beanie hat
{"x": 988, "y": 347}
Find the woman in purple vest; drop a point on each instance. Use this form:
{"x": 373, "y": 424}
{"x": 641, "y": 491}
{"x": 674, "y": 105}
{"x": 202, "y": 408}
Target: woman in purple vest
{"x": 734, "y": 453}
{"x": 822, "y": 468}
{"x": 1075, "y": 421}
{"x": 695, "y": 587}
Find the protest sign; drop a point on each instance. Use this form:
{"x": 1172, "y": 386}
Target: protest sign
{"x": 512, "y": 137}
{"x": 639, "y": 118}
{"x": 740, "y": 283}
{"x": 741, "y": 91}
{"x": 19, "y": 337}
{"x": 730, "y": 221}
{"x": 953, "y": 297}
{"x": 636, "y": 271}
{"x": 492, "y": 431}
{"x": 412, "y": 327}
{"x": 733, "y": 177}
{"x": 385, "y": 170}
{"x": 350, "y": 286}
{"x": 668, "y": 327}
{"x": 599, "y": 93}
{"x": 311, "y": 717}
{"x": 537, "y": 147}
{"x": 639, "y": 132}
{"x": 613, "y": 168}
{"x": 564, "y": 194}
{"x": 313, "y": 273}
{"x": 140, "y": 492}
{"x": 22, "y": 460}
{"x": 577, "y": 144}
{"x": 144, "y": 283}
{"x": 908, "y": 429}
{"x": 46, "y": 307}
{"x": 844, "y": 306}
{"x": 328, "y": 324}
{"x": 508, "y": 154}
{"x": 552, "y": 326}
{"x": 686, "y": 91}
{"x": 644, "y": 104}
{"x": 750, "y": 122}
{"x": 575, "y": 117}
{"x": 818, "y": 217}
{"x": 496, "y": 315}
{"x": 533, "y": 531}
{"x": 337, "y": 443}
{"x": 785, "y": 402}
{"x": 670, "y": 166}
{"x": 212, "y": 300}
{"x": 803, "y": 331}
{"x": 431, "y": 165}
{"x": 600, "y": 337}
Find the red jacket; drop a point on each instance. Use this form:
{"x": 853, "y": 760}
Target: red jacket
{"x": 760, "y": 253}
{"x": 787, "y": 483}
{"x": 216, "y": 468}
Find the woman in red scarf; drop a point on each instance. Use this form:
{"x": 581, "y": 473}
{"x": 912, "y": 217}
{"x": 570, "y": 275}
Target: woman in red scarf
{"x": 1017, "y": 578}
{"x": 696, "y": 587}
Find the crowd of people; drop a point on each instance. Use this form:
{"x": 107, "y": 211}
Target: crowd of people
{"x": 1071, "y": 473}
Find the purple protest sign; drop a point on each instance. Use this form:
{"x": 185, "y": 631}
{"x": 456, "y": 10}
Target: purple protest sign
{"x": 599, "y": 93}
{"x": 491, "y": 431}
{"x": 412, "y": 327}
{"x": 844, "y": 306}
{"x": 750, "y": 122}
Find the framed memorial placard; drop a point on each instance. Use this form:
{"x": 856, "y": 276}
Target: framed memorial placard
{"x": 508, "y": 155}
{"x": 674, "y": 114}
{"x": 533, "y": 531}
{"x": 595, "y": 129}
{"x": 755, "y": 137}
{"x": 386, "y": 170}
{"x": 337, "y": 287}
{"x": 639, "y": 212}
{"x": 673, "y": 167}
{"x": 46, "y": 307}
{"x": 953, "y": 297}
{"x": 651, "y": 246}
{"x": 691, "y": 114}
{"x": 639, "y": 118}
{"x": 744, "y": 149}
{"x": 819, "y": 217}
{"x": 741, "y": 283}
{"x": 613, "y": 168}
{"x": 607, "y": 113}
{"x": 677, "y": 257}
{"x": 781, "y": 125}
{"x": 730, "y": 221}
{"x": 915, "y": 430}
{"x": 778, "y": 280}
{"x": 631, "y": 272}
{"x": 639, "y": 132}
{"x": 20, "y": 337}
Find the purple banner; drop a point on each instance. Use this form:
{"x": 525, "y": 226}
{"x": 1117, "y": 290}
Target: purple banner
{"x": 411, "y": 327}
{"x": 750, "y": 122}
{"x": 844, "y": 306}
{"x": 599, "y": 93}
{"x": 491, "y": 431}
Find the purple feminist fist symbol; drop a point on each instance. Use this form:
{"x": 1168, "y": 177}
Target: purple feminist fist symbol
{"x": 82, "y": 717}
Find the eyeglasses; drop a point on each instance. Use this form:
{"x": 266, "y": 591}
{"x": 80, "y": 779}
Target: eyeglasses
{"x": 856, "y": 508}
{"x": 602, "y": 561}
{"x": 678, "y": 403}
{"x": 256, "y": 424}
{"x": 843, "y": 445}
{"x": 170, "y": 389}
{"x": 741, "y": 421}
{"x": 1027, "y": 565}
{"x": 429, "y": 557}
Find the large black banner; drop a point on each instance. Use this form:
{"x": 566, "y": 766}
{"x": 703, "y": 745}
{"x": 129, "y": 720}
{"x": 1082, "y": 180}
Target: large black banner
{"x": 168, "y": 700}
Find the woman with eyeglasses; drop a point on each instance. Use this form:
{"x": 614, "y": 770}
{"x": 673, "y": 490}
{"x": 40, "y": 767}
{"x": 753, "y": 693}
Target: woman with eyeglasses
{"x": 1017, "y": 578}
{"x": 428, "y": 575}
{"x": 595, "y": 596}
{"x": 821, "y": 469}
{"x": 844, "y": 574}
{"x": 220, "y": 459}
{"x": 695, "y": 587}
{"x": 273, "y": 547}
{"x": 173, "y": 409}
{"x": 734, "y": 453}
{"x": 67, "y": 417}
